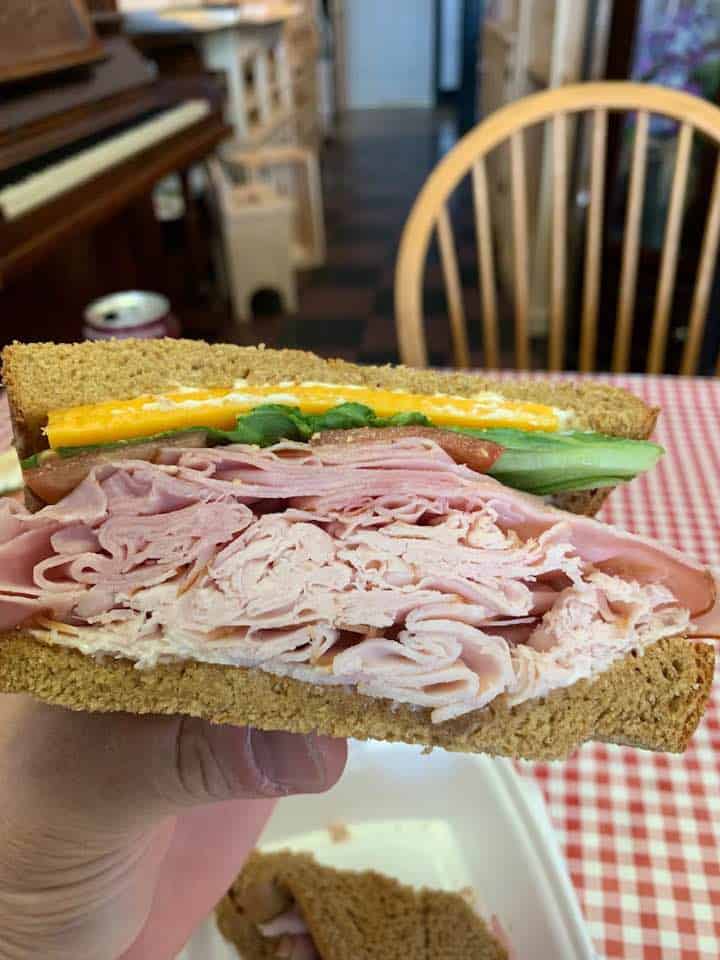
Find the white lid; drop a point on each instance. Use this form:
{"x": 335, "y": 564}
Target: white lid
{"x": 447, "y": 821}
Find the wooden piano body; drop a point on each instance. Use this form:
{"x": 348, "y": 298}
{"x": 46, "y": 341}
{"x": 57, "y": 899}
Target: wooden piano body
{"x": 81, "y": 148}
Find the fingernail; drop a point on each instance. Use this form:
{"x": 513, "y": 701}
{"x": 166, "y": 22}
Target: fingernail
{"x": 291, "y": 762}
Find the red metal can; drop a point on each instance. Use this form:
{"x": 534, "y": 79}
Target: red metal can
{"x": 130, "y": 313}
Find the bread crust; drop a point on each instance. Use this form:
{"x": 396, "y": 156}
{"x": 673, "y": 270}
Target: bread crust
{"x": 46, "y": 376}
{"x": 356, "y": 915}
{"x": 652, "y": 700}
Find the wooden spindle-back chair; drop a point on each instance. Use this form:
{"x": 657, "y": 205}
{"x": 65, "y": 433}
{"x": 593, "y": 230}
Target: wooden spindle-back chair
{"x": 469, "y": 156}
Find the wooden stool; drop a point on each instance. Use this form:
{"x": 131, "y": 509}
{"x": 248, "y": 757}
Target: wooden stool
{"x": 294, "y": 173}
{"x": 257, "y": 239}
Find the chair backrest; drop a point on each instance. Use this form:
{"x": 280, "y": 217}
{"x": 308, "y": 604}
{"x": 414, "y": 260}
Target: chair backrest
{"x": 558, "y": 106}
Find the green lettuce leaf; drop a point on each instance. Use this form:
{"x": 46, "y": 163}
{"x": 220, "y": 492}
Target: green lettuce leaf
{"x": 271, "y": 422}
{"x": 545, "y": 463}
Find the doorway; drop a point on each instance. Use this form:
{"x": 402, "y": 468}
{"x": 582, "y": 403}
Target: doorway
{"x": 457, "y": 34}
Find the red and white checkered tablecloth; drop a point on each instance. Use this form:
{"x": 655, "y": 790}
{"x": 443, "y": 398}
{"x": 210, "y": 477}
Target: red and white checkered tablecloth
{"x": 640, "y": 831}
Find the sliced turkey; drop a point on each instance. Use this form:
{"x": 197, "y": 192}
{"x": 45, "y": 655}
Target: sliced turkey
{"x": 384, "y": 566}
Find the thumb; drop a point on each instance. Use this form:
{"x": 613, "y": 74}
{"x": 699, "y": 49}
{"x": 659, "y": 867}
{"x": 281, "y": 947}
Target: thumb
{"x": 118, "y": 772}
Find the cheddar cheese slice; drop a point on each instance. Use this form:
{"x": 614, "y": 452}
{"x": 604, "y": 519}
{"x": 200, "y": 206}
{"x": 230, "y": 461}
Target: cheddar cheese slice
{"x": 218, "y": 408}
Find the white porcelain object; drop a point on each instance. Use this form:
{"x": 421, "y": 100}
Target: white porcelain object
{"x": 448, "y": 821}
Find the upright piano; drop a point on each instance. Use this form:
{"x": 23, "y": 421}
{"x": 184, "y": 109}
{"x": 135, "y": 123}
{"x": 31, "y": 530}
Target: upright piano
{"x": 87, "y": 127}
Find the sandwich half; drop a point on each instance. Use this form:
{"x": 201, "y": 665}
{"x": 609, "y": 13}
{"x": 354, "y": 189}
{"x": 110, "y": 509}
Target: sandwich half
{"x": 263, "y": 537}
{"x": 287, "y": 905}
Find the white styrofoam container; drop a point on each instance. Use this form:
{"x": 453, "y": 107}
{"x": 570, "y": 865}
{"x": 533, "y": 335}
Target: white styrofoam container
{"x": 447, "y": 821}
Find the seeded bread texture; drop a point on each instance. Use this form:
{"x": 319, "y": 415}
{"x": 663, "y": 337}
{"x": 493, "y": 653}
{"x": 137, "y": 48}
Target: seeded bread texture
{"x": 45, "y": 376}
{"x": 357, "y": 915}
{"x": 652, "y": 700}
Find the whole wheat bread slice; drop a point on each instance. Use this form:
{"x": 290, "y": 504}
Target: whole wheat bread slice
{"x": 46, "y": 376}
{"x": 653, "y": 701}
{"x": 353, "y": 915}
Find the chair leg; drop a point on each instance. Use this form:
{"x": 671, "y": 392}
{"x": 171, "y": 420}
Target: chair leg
{"x": 290, "y": 297}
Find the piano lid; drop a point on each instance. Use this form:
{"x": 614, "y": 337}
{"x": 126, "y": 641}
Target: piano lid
{"x": 36, "y": 118}
{"x": 42, "y": 36}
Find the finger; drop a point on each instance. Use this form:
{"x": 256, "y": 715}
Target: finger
{"x": 118, "y": 771}
{"x": 208, "y": 848}
{"x": 222, "y": 762}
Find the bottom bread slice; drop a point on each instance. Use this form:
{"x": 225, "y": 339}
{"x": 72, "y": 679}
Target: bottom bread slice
{"x": 652, "y": 700}
{"x": 351, "y": 915}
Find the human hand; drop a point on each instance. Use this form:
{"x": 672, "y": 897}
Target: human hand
{"x": 119, "y": 833}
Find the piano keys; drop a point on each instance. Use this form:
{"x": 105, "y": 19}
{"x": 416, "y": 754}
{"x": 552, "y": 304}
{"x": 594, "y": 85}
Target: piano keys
{"x": 28, "y": 193}
{"x": 77, "y": 148}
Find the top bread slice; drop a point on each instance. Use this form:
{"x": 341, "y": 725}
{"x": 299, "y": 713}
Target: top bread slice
{"x": 351, "y": 915}
{"x": 47, "y": 376}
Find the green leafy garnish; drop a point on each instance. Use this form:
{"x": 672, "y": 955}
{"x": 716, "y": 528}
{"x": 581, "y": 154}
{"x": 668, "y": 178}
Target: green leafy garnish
{"x": 271, "y": 422}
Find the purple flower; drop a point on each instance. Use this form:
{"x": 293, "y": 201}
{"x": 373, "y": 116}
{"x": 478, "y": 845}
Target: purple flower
{"x": 672, "y": 50}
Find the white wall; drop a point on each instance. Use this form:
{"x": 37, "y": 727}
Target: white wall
{"x": 389, "y": 53}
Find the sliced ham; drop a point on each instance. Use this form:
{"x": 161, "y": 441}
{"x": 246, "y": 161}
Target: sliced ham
{"x": 291, "y": 921}
{"x": 477, "y": 454}
{"x": 58, "y": 476}
{"x": 299, "y": 946}
{"x": 384, "y": 566}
